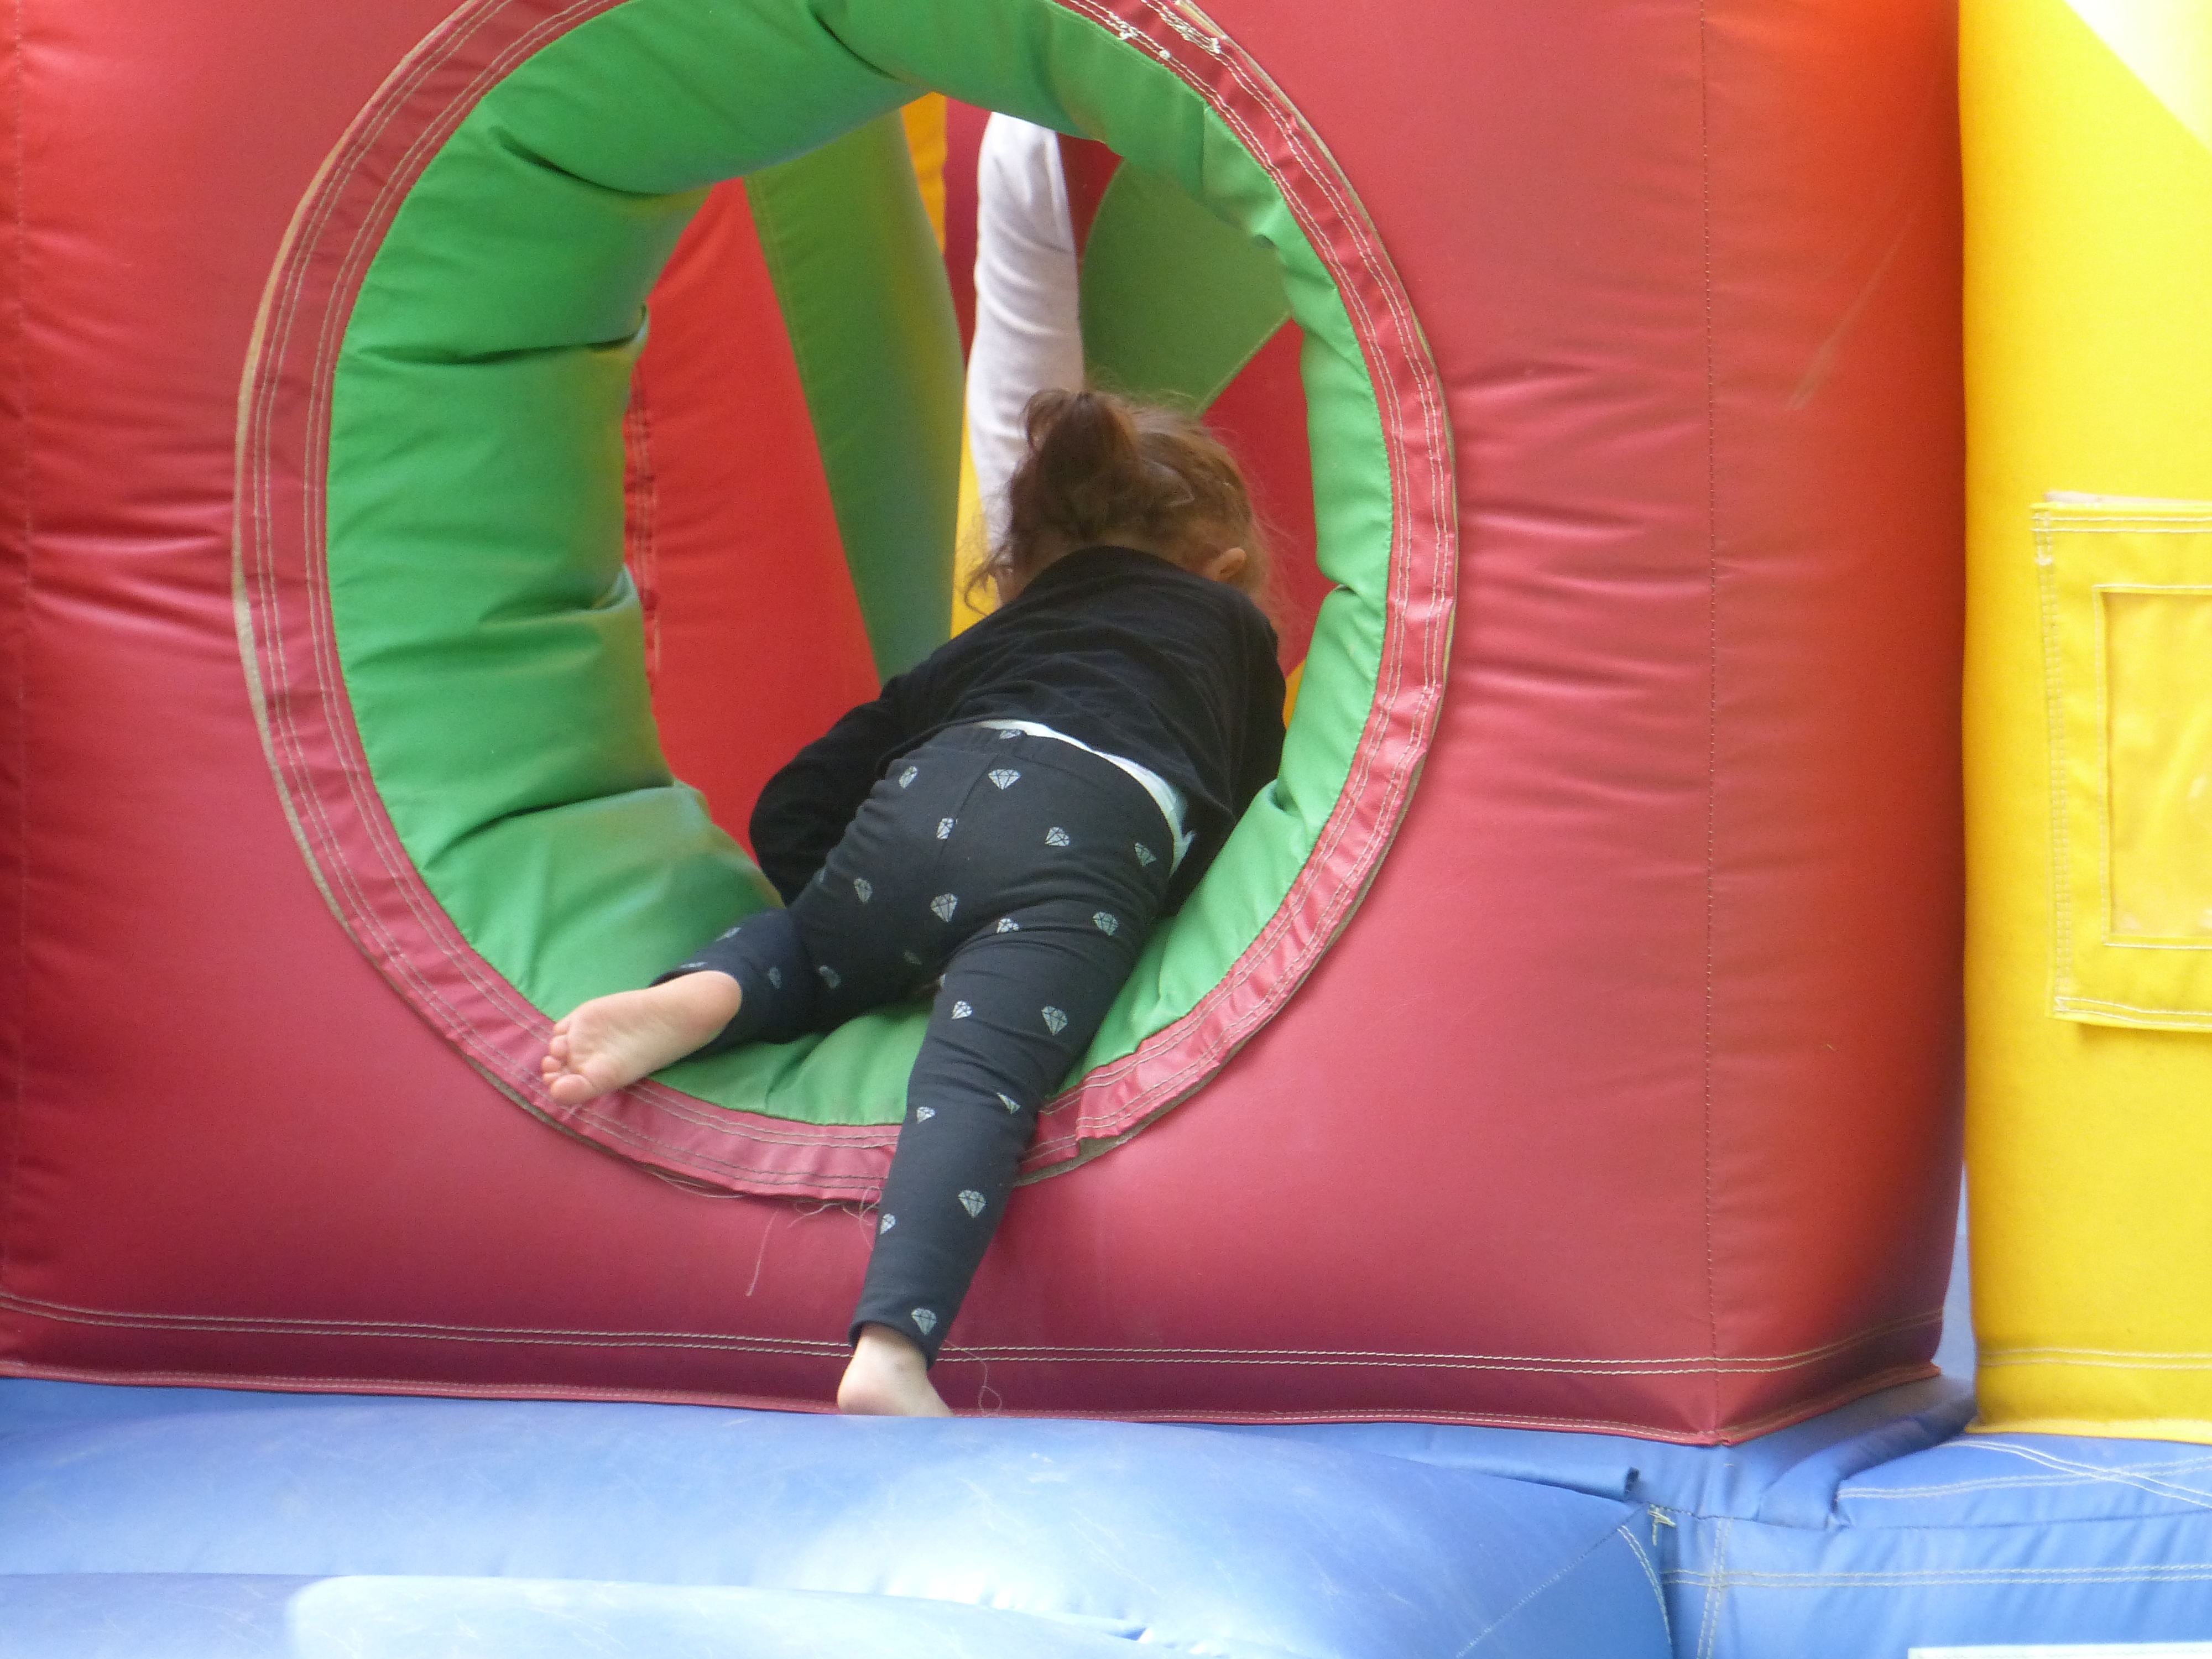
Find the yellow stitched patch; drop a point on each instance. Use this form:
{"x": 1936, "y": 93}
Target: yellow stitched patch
{"x": 2127, "y": 626}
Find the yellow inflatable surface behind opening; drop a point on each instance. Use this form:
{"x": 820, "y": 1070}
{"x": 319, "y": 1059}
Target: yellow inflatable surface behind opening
{"x": 2088, "y": 135}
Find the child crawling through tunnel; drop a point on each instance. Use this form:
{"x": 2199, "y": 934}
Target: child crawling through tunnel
{"x": 1012, "y": 816}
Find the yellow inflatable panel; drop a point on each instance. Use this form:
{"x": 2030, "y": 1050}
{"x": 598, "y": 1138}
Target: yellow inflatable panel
{"x": 925, "y": 137}
{"x": 2088, "y": 142}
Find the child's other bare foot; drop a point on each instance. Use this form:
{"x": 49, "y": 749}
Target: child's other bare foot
{"x": 888, "y": 1377}
{"x": 612, "y": 1041}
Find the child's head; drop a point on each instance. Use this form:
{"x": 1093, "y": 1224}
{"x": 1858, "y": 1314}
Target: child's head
{"x": 1104, "y": 468}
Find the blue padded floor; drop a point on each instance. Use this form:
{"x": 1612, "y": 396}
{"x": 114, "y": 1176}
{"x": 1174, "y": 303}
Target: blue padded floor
{"x": 223, "y": 1616}
{"x": 1789, "y": 1477}
{"x": 207, "y": 1524}
{"x": 1882, "y": 1528}
{"x": 171, "y": 1524}
{"x": 1987, "y": 1539}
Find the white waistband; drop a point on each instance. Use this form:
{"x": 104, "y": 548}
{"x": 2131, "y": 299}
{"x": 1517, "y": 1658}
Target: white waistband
{"x": 1168, "y": 798}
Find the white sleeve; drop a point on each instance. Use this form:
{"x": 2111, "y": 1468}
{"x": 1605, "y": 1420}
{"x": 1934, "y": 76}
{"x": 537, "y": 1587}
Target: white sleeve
{"x": 1027, "y": 333}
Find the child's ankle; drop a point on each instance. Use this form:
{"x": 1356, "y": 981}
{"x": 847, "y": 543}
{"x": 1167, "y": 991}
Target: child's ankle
{"x": 707, "y": 994}
{"x": 888, "y": 1376}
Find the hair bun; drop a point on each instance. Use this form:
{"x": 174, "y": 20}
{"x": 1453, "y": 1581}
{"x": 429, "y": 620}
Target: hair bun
{"x": 1101, "y": 465}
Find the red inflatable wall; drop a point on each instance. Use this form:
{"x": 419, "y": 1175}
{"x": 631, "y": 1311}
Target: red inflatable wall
{"x": 1625, "y": 1100}
{"x": 730, "y": 533}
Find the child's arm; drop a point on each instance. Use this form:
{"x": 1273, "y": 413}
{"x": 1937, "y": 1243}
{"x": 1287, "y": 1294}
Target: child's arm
{"x": 803, "y": 811}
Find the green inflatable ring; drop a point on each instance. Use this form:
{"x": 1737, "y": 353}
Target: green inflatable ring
{"x": 488, "y": 638}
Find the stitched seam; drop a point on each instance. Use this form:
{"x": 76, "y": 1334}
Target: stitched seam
{"x": 2182, "y": 1354}
{"x": 805, "y": 1180}
{"x": 77, "y": 1314}
{"x": 62, "y": 1313}
{"x": 2168, "y": 524}
{"x": 2100, "y": 672}
{"x": 952, "y": 1354}
{"x": 2195, "y": 1016}
{"x": 1669, "y": 1364}
{"x": 1651, "y": 1572}
{"x": 19, "y": 1038}
{"x": 1712, "y": 660}
{"x": 359, "y": 917}
{"x": 1483, "y": 1634}
{"x": 2188, "y": 1497}
{"x": 2062, "y": 896}
{"x": 2117, "y": 1363}
{"x": 329, "y": 684}
{"x": 395, "y": 863}
{"x": 388, "y": 1387}
{"x": 1721, "y": 1582}
{"x": 1716, "y": 1589}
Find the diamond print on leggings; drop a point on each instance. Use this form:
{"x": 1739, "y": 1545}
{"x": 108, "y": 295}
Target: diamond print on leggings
{"x": 830, "y": 977}
{"x": 944, "y": 904}
{"x": 885, "y": 1225}
{"x": 909, "y": 775}
{"x": 945, "y": 828}
{"x": 1057, "y": 836}
{"x": 1146, "y": 856}
{"x": 972, "y": 1202}
{"x": 1055, "y": 1021}
{"x": 924, "y": 1321}
{"x": 1008, "y": 925}
{"x": 862, "y": 886}
{"x": 1010, "y": 1102}
{"x": 775, "y": 977}
{"x": 1005, "y": 776}
{"x": 960, "y": 1011}
{"x": 1104, "y": 923}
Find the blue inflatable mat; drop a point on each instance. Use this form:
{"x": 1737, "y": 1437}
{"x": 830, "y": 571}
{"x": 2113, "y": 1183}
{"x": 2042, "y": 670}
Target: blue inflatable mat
{"x": 1882, "y": 1528}
{"x": 223, "y": 1616}
{"x": 1987, "y": 1540}
{"x": 173, "y": 1524}
{"x": 1790, "y": 1477}
{"x": 182, "y": 1523}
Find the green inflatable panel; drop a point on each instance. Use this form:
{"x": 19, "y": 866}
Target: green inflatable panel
{"x": 862, "y": 283}
{"x": 491, "y": 642}
{"x": 1174, "y": 300}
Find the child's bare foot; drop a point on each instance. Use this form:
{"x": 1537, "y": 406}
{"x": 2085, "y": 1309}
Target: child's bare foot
{"x": 612, "y": 1041}
{"x": 888, "y": 1377}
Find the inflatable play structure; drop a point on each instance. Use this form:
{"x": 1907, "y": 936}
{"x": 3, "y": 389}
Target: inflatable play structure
{"x": 453, "y": 455}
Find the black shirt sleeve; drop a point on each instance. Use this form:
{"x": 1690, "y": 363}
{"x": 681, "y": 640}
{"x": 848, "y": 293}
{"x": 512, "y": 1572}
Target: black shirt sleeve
{"x": 1261, "y": 753}
{"x": 804, "y": 810}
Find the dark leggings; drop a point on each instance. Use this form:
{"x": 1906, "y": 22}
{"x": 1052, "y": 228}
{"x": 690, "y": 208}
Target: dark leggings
{"x": 1029, "y": 874}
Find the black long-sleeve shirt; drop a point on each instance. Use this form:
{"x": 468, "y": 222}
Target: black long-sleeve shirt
{"x": 1124, "y": 651}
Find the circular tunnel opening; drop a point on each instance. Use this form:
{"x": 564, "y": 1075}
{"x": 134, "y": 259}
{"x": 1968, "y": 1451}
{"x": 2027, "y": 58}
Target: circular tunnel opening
{"x": 450, "y": 660}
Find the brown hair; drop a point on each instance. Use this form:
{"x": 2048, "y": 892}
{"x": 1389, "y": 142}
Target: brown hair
{"x": 1099, "y": 464}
